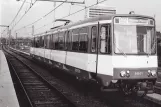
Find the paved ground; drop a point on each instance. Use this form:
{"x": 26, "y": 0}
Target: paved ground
{"x": 154, "y": 97}
{"x": 8, "y": 96}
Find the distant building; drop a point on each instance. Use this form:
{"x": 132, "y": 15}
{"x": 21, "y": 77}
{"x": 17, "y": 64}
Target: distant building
{"x": 99, "y": 10}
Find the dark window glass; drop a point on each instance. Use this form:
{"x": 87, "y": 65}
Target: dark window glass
{"x": 93, "y": 38}
{"x": 83, "y": 34}
{"x": 48, "y": 42}
{"x": 56, "y": 40}
{"x": 41, "y": 41}
{"x": 34, "y": 42}
{"x": 75, "y": 42}
{"x": 61, "y": 40}
{"x": 51, "y": 42}
{"x": 37, "y": 42}
{"x": 68, "y": 40}
{"x": 45, "y": 41}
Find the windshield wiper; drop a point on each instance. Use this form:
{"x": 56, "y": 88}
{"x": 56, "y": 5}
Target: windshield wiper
{"x": 120, "y": 50}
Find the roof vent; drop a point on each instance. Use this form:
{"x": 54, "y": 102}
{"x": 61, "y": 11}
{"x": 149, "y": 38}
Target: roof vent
{"x": 63, "y": 20}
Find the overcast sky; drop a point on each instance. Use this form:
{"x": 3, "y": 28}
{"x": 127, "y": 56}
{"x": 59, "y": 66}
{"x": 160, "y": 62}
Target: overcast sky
{"x": 9, "y": 8}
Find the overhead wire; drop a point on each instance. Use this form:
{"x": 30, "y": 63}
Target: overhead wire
{"x": 18, "y": 12}
{"x": 75, "y": 12}
{"x": 24, "y": 14}
{"x": 86, "y": 7}
{"x": 43, "y": 16}
{"x": 16, "y": 15}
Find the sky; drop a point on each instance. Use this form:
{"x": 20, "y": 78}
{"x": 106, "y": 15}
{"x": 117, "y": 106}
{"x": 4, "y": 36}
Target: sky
{"x": 9, "y": 9}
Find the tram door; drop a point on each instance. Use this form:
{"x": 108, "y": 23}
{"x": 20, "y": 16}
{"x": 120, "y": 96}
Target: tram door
{"x": 104, "y": 57}
{"x": 93, "y": 49}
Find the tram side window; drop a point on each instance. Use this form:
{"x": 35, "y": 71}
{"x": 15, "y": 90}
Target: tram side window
{"x": 48, "y": 42}
{"x": 93, "y": 38}
{"x": 34, "y": 42}
{"x": 105, "y": 39}
{"x": 68, "y": 41}
{"x": 45, "y": 41}
{"x": 56, "y": 40}
{"x": 65, "y": 40}
{"x": 40, "y": 45}
{"x": 61, "y": 41}
{"x": 41, "y": 41}
{"x": 51, "y": 42}
{"x": 75, "y": 42}
{"x": 83, "y": 46}
{"x": 37, "y": 42}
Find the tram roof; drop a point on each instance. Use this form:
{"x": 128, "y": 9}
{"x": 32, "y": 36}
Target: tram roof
{"x": 95, "y": 19}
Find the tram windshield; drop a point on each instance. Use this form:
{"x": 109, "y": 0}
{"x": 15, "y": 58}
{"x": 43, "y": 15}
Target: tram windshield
{"x": 134, "y": 39}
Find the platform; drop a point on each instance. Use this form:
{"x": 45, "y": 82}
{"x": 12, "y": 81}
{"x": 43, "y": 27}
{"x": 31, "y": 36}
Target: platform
{"x": 156, "y": 98}
{"x": 8, "y": 96}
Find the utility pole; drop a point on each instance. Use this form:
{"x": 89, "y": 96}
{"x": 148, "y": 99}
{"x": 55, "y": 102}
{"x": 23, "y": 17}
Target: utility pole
{"x": 33, "y": 41}
{"x": 33, "y": 30}
{"x": 9, "y": 34}
{"x": 4, "y": 30}
{"x": 54, "y": 13}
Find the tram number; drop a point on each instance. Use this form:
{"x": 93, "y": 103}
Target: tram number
{"x": 138, "y": 73}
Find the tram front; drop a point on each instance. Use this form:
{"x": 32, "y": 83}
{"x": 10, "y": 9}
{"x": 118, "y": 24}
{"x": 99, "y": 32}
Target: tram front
{"x": 135, "y": 56}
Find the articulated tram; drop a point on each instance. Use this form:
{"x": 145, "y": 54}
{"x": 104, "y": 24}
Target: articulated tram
{"x": 116, "y": 51}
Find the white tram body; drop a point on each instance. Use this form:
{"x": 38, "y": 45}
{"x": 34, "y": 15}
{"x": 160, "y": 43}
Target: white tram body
{"x": 111, "y": 49}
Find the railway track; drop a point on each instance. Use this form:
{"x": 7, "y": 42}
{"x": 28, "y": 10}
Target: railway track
{"x": 77, "y": 97}
{"x": 157, "y": 87}
{"x": 39, "y": 91}
{"x": 125, "y": 102}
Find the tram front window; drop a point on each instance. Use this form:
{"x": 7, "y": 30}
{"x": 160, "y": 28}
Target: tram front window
{"x": 133, "y": 39}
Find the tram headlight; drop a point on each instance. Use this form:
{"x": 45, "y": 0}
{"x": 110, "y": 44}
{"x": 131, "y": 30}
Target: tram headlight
{"x": 153, "y": 73}
{"x": 123, "y": 73}
{"x": 149, "y": 73}
{"x": 128, "y": 73}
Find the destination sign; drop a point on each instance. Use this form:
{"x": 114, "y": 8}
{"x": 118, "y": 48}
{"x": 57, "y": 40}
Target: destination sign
{"x": 141, "y": 21}
{"x": 133, "y": 21}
